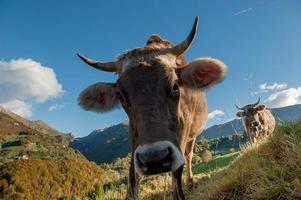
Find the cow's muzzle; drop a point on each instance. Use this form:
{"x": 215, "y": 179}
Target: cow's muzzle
{"x": 156, "y": 158}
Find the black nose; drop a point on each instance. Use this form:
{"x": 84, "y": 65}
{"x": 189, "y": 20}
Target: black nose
{"x": 155, "y": 161}
{"x": 255, "y": 123}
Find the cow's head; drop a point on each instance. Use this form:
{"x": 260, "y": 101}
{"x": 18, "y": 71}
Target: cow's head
{"x": 250, "y": 115}
{"x": 151, "y": 83}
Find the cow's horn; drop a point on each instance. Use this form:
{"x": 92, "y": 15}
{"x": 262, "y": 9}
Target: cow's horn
{"x": 183, "y": 46}
{"x": 239, "y": 108}
{"x": 255, "y": 104}
{"x": 104, "y": 66}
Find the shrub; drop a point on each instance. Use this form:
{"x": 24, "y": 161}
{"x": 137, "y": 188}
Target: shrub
{"x": 206, "y": 155}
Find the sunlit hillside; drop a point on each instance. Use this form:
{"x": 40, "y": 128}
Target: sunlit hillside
{"x": 23, "y": 141}
{"x": 49, "y": 179}
{"x": 40, "y": 165}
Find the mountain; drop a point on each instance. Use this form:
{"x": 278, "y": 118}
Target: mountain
{"x": 37, "y": 125}
{"x": 104, "y": 145}
{"x": 107, "y": 144}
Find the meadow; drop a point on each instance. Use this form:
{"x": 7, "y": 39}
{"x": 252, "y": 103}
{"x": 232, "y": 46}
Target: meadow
{"x": 271, "y": 170}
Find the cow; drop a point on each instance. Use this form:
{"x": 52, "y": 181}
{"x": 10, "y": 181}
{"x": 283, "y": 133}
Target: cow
{"x": 258, "y": 120}
{"x": 164, "y": 97}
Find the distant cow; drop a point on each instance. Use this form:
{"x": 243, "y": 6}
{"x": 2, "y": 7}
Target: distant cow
{"x": 163, "y": 96}
{"x": 258, "y": 120}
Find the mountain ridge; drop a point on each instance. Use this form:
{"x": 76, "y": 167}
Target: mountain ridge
{"x": 105, "y": 145}
{"x": 37, "y": 125}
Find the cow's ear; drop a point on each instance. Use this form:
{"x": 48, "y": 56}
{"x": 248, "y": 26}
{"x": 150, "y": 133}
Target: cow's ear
{"x": 100, "y": 97}
{"x": 240, "y": 114}
{"x": 260, "y": 107}
{"x": 202, "y": 73}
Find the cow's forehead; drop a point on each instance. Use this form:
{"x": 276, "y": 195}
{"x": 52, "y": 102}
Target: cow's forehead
{"x": 148, "y": 58}
{"x": 152, "y": 54}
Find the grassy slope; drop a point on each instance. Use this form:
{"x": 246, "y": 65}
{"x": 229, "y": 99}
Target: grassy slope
{"x": 156, "y": 187}
{"x": 9, "y": 126}
{"x": 272, "y": 171}
{"x": 35, "y": 146}
{"x": 216, "y": 163}
{"x": 16, "y": 140}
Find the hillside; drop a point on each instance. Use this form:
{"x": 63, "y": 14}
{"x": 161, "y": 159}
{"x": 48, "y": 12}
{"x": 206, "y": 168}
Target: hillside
{"x": 104, "y": 145}
{"x": 289, "y": 113}
{"x": 12, "y": 128}
{"x": 110, "y": 143}
{"x": 18, "y": 141}
{"x": 45, "y": 179}
{"x": 28, "y": 145}
{"x": 271, "y": 171}
{"x": 41, "y": 165}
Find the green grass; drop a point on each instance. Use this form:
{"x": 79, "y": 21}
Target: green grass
{"x": 216, "y": 163}
{"x": 35, "y": 146}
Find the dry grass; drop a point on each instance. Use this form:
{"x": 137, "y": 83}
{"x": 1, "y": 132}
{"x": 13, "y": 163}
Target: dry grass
{"x": 271, "y": 170}
{"x": 159, "y": 187}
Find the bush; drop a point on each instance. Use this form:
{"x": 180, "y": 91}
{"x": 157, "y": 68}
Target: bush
{"x": 206, "y": 155}
{"x": 232, "y": 150}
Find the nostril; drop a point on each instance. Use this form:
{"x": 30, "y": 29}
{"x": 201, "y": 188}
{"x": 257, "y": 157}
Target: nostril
{"x": 169, "y": 152}
{"x": 139, "y": 159}
{"x": 167, "y": 160}
{"x": 255, "y": 123}
{"x": 166, "y": 152}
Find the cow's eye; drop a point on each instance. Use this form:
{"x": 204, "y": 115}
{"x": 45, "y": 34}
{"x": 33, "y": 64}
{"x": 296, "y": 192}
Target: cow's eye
{"x": 122, "y": 99}
{"x": 176, "y": 87}
{"x": 175, "y": 90}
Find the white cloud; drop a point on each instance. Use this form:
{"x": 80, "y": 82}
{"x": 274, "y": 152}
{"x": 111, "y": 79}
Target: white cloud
{"x": 283, "y": 98}
{"x": 215, "y": 114}
{"x": 25, "y": 80}
{"x": 275, "y": 86}
{"x": 265, "y": 88}
{"x": 243, "y": 11}
{"x": 19, "y": 107}
{"x": 56, "y": 107}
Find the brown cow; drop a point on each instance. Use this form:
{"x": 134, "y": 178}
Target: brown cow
{"x": 258, "y": 120}
{"x": 163, "y": 96}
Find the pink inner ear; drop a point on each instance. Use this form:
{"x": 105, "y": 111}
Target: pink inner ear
{"x": 207, "y": 75}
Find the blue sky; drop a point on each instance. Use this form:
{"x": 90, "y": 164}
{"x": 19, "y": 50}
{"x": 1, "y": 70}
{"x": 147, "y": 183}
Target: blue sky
{"x": 258, "y": 40}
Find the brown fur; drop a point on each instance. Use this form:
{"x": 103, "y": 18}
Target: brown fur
{"x": 99, "y": 97}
